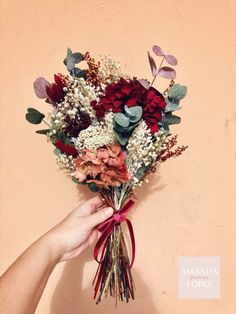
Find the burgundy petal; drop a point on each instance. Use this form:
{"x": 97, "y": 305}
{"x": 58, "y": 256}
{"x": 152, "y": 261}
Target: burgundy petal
{"x": 66, "y": 148}
{"x": 131, "y": 102}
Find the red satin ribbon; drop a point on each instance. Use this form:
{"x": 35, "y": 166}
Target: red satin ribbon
{"x": 106, "y": 228}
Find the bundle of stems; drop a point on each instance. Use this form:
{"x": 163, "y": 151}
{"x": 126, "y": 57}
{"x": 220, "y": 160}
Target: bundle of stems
{"x": 113, "y": 275}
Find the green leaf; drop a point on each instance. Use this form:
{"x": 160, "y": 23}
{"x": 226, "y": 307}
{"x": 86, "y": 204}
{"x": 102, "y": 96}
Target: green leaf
{"x": 34, "y": 116}
{"x": 57, "y": 151}
{"x": 172, "y": 105}
{"x": 119, "y": 128}
{"x": 131, "y": 127}
{"x": 78, "y": 57}
{"x": 70, "y": 61}
{"x": 168, "y": 118}
{"x": 93, "y": 187}
{"x": 134, "y": 113}
{"x": 70, "y": 64}
{"x": 166, "y": 127}
{"x": 69, "y": 51}
{"x": 44, "y": 131}
{"x": 75, "y": 180}
{"x": 141, "y": 171}
{"x": 61, "y": 136}
{"x": 121, "y": 139}
{"x": 177, "y": 91}
{"x": 121, "y": 120}
{"x": 76, "y": 72}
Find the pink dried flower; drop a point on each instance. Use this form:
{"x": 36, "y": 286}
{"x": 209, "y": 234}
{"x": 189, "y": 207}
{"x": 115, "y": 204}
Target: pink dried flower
{"x": 104, "y": 166}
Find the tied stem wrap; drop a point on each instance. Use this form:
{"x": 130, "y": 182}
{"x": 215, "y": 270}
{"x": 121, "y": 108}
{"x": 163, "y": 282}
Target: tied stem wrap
{"x": 106, "y": 228}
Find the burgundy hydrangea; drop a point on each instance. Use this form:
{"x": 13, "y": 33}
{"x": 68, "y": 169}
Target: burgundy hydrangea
{"x": 132, "y": 93}
{"x": 55, "y": 90}
{"x": 153, "y": 104}
{"x": 74, "y": 126}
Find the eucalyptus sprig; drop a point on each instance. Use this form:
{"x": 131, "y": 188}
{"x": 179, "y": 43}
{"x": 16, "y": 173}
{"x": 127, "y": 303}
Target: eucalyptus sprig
{"x": 163, "y": 71}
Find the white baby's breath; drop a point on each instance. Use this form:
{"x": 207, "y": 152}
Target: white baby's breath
{"x": 97, "y": 135}
{"x": 143, "y": 149}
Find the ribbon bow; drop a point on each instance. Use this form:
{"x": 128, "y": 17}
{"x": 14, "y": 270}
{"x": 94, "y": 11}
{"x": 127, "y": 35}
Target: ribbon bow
{"x": 106, "y": 228}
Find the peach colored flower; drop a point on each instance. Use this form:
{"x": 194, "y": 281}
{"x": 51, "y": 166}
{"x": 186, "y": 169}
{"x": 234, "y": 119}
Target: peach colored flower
{"x": 104, "y": 166}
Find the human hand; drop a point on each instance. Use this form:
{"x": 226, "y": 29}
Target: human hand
{"x": 77, "y": 231}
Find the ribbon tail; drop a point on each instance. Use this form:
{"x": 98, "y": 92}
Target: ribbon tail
{"x": 99, "y": 272}
{"x": 102, "y": 239}
{"x": 132, "y": 239}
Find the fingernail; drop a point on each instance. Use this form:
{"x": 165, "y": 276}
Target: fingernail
{"x": 109, "y": 211}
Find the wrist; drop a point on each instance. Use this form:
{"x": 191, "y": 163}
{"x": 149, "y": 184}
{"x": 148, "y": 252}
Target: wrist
{"x": 49, "y": 241}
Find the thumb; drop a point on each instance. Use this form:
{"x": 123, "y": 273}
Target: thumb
{"x": 100, "y": 216}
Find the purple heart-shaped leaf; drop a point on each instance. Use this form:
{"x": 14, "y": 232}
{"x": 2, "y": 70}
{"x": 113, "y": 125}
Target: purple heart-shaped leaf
{"x": 40, "y": 85}
{"x": 167, "y": 72}
{"x": 144, "y": 83}
{"x": 158, "y": 51}
{"x": 152, "y": 65}
{"x": 171, "y": 59}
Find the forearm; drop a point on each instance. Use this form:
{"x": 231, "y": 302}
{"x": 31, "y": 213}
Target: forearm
{"x": 22, "y": 285}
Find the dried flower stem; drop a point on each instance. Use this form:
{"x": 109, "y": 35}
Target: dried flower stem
{"x": 163, "y": 58}
{"x": 93, "y": 70}
{"x": 167, "y": 152}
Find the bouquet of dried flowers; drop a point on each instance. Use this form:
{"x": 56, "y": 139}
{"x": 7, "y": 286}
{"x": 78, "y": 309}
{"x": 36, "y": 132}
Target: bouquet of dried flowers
{"x": 109, "y": 131}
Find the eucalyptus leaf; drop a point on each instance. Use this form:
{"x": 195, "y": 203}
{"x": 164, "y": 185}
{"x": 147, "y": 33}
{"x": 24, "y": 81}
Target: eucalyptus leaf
{"x": 134, "y": 113}
{"x": 124, "y": 123}
{"x": 69, "y": 60}
{"x": 78, "y": 57}
{"x": 177, "y": 91}
{"x": 69, "y": 51}
{"x": 161, "y": 53}
{"x": 152, "y": 65}
{"x": 170, "y": 106}
{"x": 40, "y": 85}
{"x": 167, "y": 72}
{"x": 144, "y": 83}
{"x": 158, "y": 51}
{"x": 70, "y": 65}
{"x": 75, "y": 180}
{"x": 171, "y": 59}
{"x": 119, "y": 128}
{"x": 131, "y": 127}
{"x": 121, "y": 119}
{"x": 141, "y": 171}
{"x": 34, "y": 116}
{"x": 168, "y": 118}
{"x": 166, "y": 127}
{"x": 57, "y": 151}
{"x": 121, "y": 139}
{"x": 76, "y": 72}
{"x": 61, "y": 136}
{"x": 93, "y": 187}
{"x": 44, "y": 131}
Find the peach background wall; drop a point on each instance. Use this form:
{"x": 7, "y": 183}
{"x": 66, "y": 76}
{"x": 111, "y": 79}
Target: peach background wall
{"x": 188, "y": 209}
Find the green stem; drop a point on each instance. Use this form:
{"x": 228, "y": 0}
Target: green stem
{"x": 46, "y": 123}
